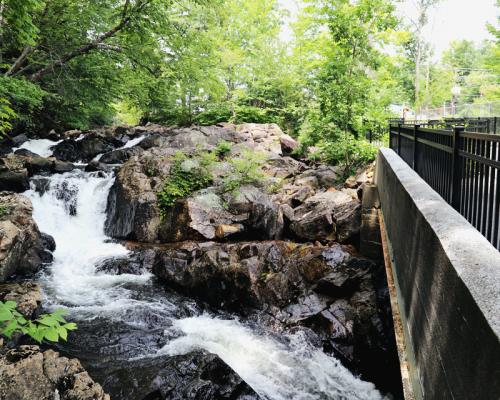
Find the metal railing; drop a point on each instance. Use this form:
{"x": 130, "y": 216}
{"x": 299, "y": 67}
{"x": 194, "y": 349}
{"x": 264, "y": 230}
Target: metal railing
{"x": 462, "y": 166}
{"x": 471, "y": 124}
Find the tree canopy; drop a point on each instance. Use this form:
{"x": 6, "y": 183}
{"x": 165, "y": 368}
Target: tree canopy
{"x": 77, "y": 64}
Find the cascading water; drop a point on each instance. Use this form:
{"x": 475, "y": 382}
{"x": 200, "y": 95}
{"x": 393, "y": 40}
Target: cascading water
{"x": 127, "y": 319}
{"x": 42, "y": 147}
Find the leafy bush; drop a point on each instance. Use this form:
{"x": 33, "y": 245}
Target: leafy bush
{"x": 187, "y": 174}
{"x": 214, "y": 115}
{"x": 245, "y": 169}
{"x": 223, "y": 147}
{"x": 51, "y": 327}
{"x": 6, "y": 115}
{"x": 349, "y": 153}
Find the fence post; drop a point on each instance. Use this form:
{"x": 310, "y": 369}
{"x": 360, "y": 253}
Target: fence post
{"x": 415, "y": 146}
{"x": 456, "y": 169}
{"x": 495, "y": 125}
{"x": 399, "y": 138}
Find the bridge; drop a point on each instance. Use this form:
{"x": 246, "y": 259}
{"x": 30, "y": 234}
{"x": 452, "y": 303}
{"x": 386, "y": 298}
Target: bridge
{"x": 437, "y": 194}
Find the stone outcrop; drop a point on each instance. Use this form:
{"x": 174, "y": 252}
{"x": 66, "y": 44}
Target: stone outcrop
{"x": 22, "y": 250}
{"x": 197, "y": 375}
{"x": 27, "y": 373}
{"x": 27, "y": 295}
{"x": 304, "y": 206}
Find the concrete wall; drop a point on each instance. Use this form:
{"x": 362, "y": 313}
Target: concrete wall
{"x": 448, "y": 280}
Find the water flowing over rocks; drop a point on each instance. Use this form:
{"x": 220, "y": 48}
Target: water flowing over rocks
{"x": 27, "y": 373}
{"x": 227, "y": 294}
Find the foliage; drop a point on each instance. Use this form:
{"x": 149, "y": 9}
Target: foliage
{"x": 223, "y": 147}
{"x": 245, "y": 170}
{"x": 187, "y": 174}
{"x": 350, "y": 154}
{"x": 6, "y": 115}
{"x": 51, "y": 327}
{"x": 3, "y": 211}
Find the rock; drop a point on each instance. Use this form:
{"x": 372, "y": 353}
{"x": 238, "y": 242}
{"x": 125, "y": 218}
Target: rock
{"x": 25, "y": 153}
{"x": 48, "y": 241}
{"x": 95, "y": 165}
{"x": 331, "y": 215}
{"x": 119, "y": 156}
{"x": 27, "y": 295}
{"x": 27, "y": 373}
{"x": 60, "y": 167}
{"x": 85, "y": 149}
{"x": 288, "y": 144}
{"x": 19, "y": 140}
{"x": 15, "y": 181}
{"x": 197, "y": 375}
{"x": 22, "y": 249}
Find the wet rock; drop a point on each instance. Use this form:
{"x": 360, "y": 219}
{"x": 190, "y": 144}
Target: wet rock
{"x": 15, "y": 181}
{"x": 27, "y": 373}
{"x": 22, "y": 250}
{"x": 25, "y": 153}
{"x": 135, "y": 263}
{"x": 48, "y": 241}
{"x": 19, "y": 140}
{"x": 119, "y": 156}
{"x": 60, "y": 167}
{"x": 197, "y": 375}
{"x": 85, "y": 149}
{"x": 27, "y": 295}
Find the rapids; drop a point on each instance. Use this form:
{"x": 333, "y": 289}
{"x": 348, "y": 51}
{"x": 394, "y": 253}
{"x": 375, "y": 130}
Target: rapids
{"x": 128, "y": 321}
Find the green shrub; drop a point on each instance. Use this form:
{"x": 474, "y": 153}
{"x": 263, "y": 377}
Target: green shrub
{"x": 348, "y": 153}
{"x": 223, "y": 147}
{"x": 245, "y": 169}
{"x": 187, "y": 174}
{"x": 51, "y": 327}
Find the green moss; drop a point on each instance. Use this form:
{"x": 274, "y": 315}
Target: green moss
{"x": 223, "y": 147}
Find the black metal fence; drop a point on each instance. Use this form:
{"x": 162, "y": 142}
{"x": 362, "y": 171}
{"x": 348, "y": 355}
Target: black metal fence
{"x": 462, "y": 166}
{"x": 471, "y": 124}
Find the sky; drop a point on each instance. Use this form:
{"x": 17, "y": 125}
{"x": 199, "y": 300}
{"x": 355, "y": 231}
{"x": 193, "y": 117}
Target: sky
{"x": 449, "y": 20}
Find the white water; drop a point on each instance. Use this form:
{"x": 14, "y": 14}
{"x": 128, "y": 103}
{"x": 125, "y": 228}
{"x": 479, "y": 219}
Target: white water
{"x": 42, "y": 147}
{"x": 133, "y": 142}
{"x": 275, "y": 370}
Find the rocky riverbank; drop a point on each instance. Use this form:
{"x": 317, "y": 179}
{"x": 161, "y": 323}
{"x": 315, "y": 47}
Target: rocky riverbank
{"x": 222, "y": 215}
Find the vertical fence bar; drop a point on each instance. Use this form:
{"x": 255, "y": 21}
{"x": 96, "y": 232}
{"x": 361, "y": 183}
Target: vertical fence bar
{"x": 456, "y": 169}
{"x": 415, "y": 146}
{"x": 399, "y": 138}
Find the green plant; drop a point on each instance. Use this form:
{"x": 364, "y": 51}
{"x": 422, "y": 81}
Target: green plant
{"x": 51, "y": 327}
{"x": 6, "y": 115}
{"x": 187, "y": 174}
{"x": 3, "y": 211}
{"x": 223, "y": 147}
{"x": 245, "y": 169}
{"x": 348, "y": 153}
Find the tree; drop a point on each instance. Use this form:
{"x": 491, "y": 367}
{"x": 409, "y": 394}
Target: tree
{"x": 420, "y": 47}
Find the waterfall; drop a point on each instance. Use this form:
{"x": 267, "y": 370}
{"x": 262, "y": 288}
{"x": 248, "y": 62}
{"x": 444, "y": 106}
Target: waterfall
{"x": 71, "y": 208}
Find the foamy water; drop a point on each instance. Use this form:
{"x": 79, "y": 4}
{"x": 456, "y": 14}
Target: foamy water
{"x": 42, "y": 147}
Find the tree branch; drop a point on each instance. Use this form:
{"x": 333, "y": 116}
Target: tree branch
{"x": 86, "y": 48}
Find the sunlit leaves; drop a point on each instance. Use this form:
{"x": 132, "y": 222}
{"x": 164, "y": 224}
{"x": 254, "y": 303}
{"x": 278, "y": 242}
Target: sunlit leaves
{"x": 51, "y": 327}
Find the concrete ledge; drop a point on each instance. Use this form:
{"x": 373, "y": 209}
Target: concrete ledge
{"x": 448, "y": 280}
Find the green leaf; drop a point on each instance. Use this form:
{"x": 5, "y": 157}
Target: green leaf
{"x": 5, "y": 315}
{"x": 52, "y": 334}
{"x": 62, "y": 332}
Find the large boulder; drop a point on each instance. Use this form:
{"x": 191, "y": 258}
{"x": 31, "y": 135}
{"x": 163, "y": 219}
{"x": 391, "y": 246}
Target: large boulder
{"x": 13, "y": 174}
{"x": 22, "y": 250}
{"x": 330, "y": 215}
{"x": 27, "y": 373}
{"x": 197, "y": 375}
{"x": 87, "y": 147}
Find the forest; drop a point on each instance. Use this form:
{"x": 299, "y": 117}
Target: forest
{"x": 334, "y": 76}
